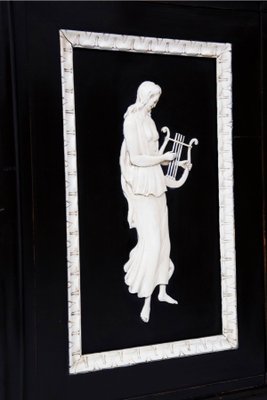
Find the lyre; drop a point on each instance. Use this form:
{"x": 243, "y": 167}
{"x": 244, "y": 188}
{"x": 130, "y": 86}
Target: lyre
{"x": 178, "y": 143}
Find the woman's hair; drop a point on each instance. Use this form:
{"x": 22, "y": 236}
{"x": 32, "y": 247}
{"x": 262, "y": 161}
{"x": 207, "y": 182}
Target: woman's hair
{"x": 144, "y": 93}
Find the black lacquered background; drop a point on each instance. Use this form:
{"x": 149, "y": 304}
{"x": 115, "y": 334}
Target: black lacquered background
{"x": 40, "y": 138}
{"x": 105, "y": 84}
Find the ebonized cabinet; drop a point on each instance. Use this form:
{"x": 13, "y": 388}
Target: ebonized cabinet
{"x": 33, "y": 290}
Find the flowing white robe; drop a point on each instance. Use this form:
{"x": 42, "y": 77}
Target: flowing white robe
{"x": 144, "y": 187}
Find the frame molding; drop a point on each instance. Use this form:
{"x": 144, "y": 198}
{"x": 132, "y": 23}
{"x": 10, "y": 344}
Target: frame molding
{"x": 228, "y": 340}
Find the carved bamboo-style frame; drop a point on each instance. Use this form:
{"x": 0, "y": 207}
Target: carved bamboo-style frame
{"x": 228, "y": 339}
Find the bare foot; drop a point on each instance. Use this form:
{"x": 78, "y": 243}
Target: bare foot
{"x": 145, "y": 313}
{"x": 163, "y": 296}
{"x": 168, "y": 299}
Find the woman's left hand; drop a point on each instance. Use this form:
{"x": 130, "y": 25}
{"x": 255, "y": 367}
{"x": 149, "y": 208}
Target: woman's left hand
{"x": 185, "y": 164}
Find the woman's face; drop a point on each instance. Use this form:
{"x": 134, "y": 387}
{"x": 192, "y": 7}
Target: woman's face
{"x": 154, "y": 98}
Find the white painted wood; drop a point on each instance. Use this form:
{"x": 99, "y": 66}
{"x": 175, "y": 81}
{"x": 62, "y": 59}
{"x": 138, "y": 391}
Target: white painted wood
{"x": 229, "y": 338}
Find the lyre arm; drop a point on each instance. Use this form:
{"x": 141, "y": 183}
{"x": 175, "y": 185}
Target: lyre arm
{"x": 166, "y": 130}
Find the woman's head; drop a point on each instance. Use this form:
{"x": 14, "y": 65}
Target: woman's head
{"x": 148, "y": 94}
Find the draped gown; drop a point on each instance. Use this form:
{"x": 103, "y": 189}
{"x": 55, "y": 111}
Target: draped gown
{"x": 144, "y": 187}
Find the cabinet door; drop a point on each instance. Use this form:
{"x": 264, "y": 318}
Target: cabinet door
{"x": 102, "y": 83}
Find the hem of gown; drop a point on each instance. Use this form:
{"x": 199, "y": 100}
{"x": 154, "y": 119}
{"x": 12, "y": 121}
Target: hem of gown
{"x": 142, "y": 296}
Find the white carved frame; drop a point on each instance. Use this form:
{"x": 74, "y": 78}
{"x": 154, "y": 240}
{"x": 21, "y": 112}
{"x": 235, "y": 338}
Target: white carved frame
{"x": 79, "y": 362}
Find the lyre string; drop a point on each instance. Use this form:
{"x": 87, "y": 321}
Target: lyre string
{"x": 178, "y": 156}
{"x": 174, "y": 150}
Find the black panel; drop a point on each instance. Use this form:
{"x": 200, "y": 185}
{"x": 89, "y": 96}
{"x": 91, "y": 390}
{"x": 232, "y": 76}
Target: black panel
{"x": 264, "y": 142}
{"x": 36, "y": 29}
{"x": 110, "y": 315}
{"x": 222, "y": 5}
{"x": 11, "y": 339}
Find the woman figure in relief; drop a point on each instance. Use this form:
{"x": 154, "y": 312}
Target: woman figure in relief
{"x": 144, "y": 187}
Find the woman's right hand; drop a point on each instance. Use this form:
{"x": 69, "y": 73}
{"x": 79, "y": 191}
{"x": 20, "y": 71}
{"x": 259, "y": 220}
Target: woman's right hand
{"x": 169, "y": 156}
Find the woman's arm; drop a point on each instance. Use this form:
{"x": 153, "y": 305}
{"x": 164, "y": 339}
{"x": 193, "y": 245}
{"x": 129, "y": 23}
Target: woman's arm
{"x": 141, "y": 160}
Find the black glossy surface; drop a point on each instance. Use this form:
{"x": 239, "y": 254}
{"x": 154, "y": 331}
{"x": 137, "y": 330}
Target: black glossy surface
{"x": 110, "y": 316}
{"x": 40, "y": 121}
{"x": 264, "y": 143}
{"x": 10, "y": 293}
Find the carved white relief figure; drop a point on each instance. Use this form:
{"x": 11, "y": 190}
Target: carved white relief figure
{"x": 144, "y": 186}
